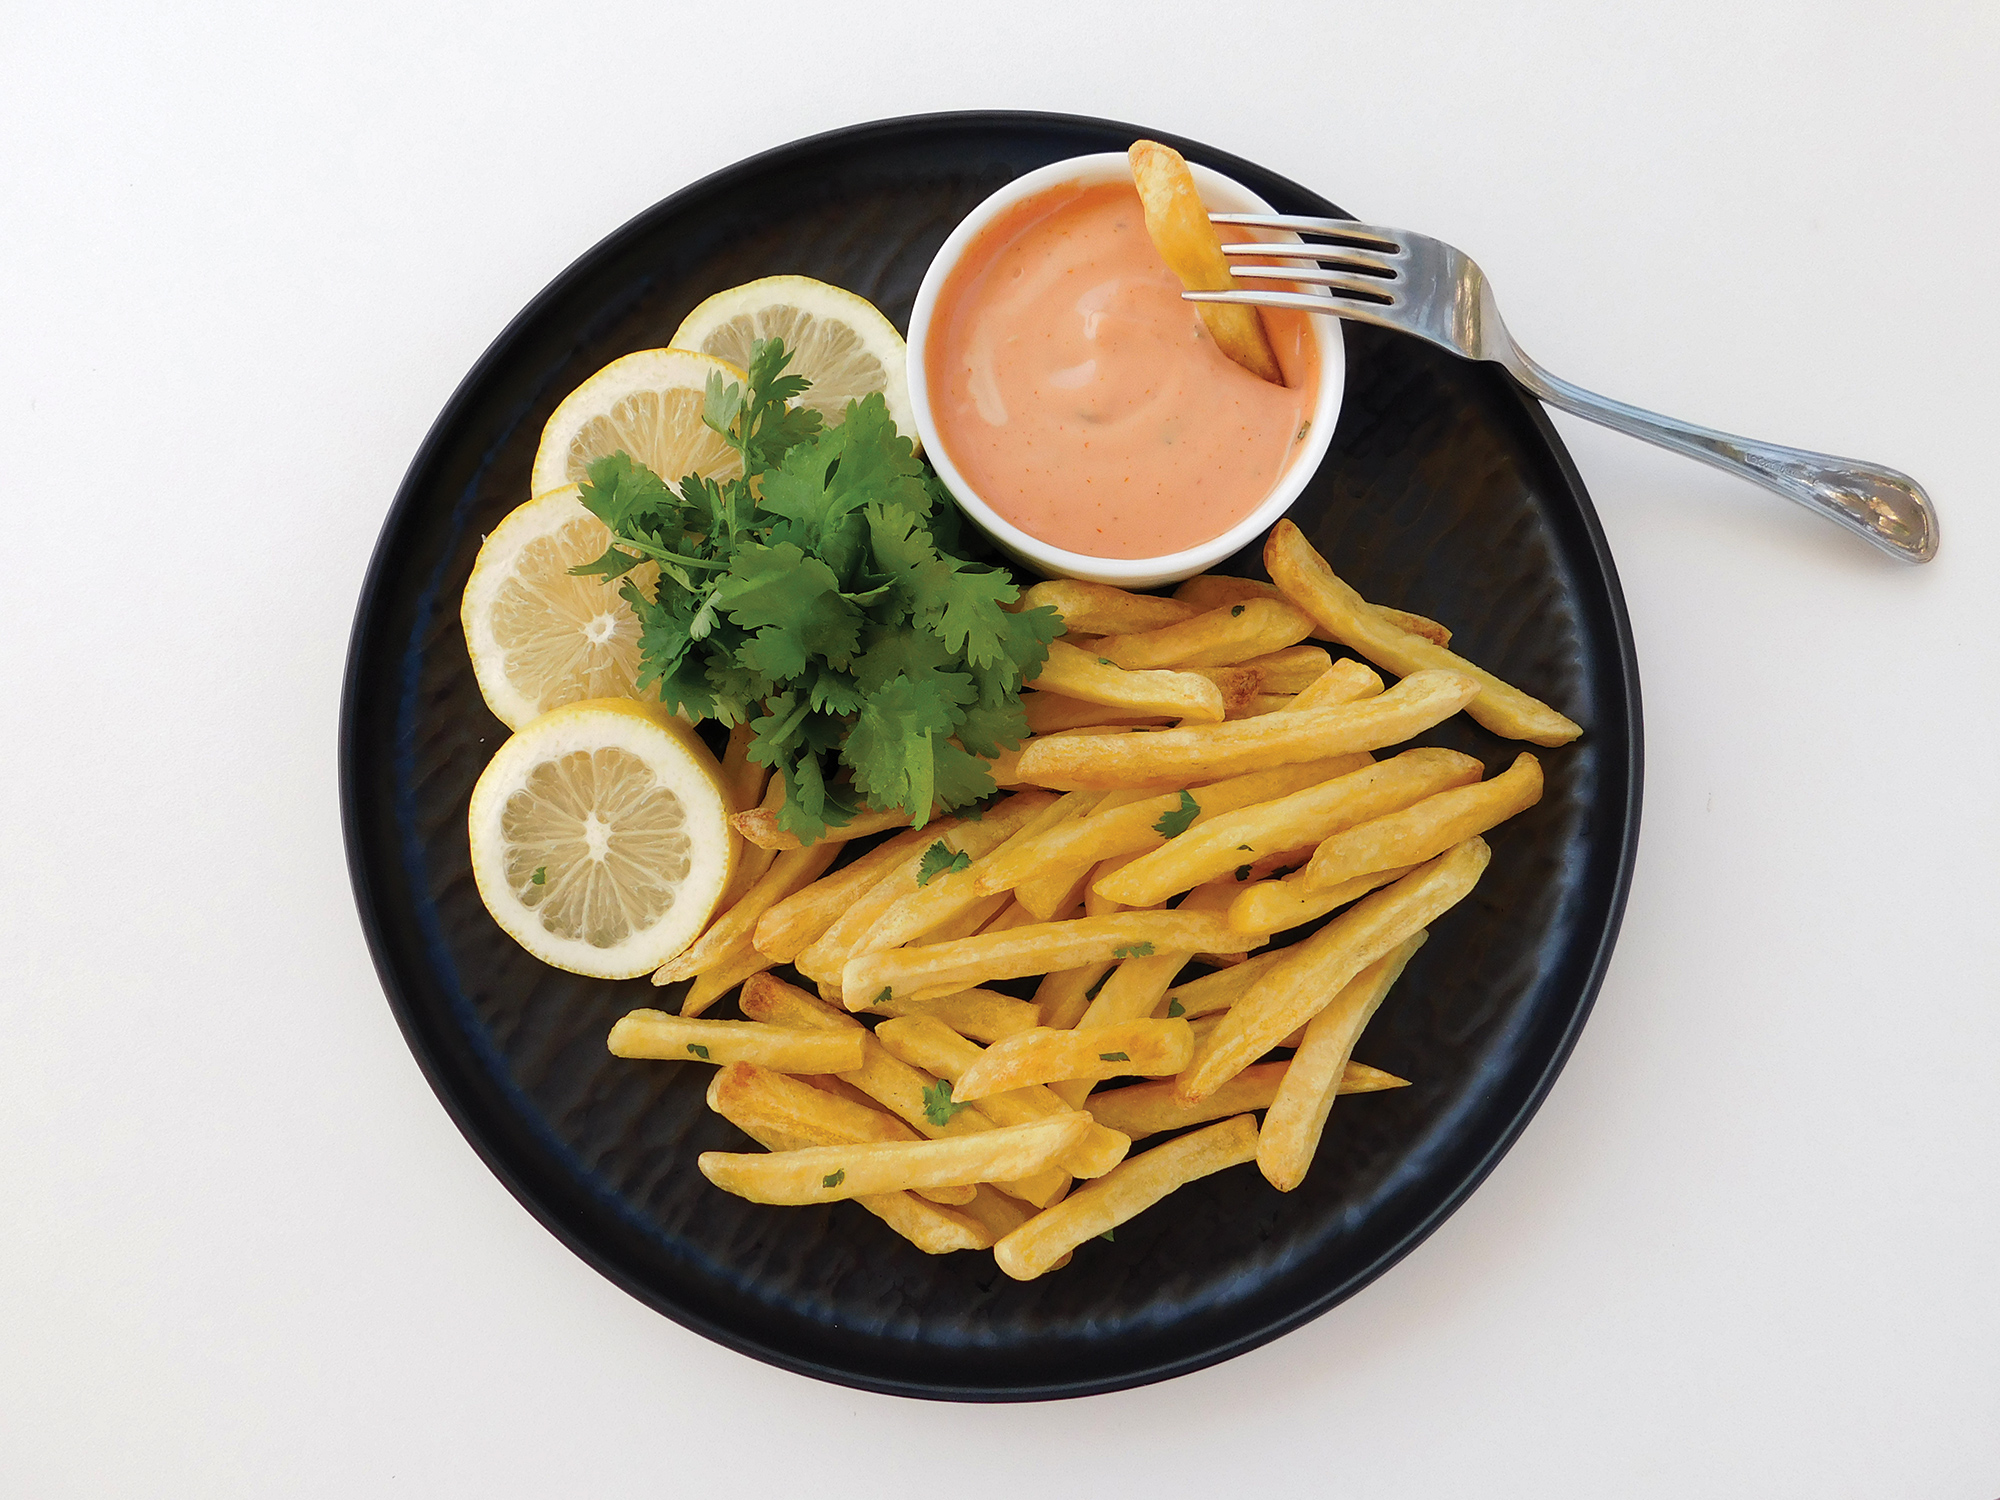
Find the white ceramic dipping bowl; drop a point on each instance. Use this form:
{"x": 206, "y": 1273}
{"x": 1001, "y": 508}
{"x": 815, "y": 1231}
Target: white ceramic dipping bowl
{"x": 1222, "y": 195}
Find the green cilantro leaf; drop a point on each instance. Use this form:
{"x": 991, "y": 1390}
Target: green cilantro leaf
{"x": 938, "y": 1108}
{"x": 1175, "y": 1010}
{"x": 888, "y": 991}
{"x": 698, "y": 1050}
{"x": 834, "y": 1179}
{"x": 1242, "y": 872}
{"x": 1235, "y": 611}
{"x": 941, "y": 859}
{"x": 1114, "y": 1057}
{"x": 541, "y": 875}
{"x": 1171, "y": 825}
{"x": 1136, "y": 950}
{"x": 1108, "y": 1235}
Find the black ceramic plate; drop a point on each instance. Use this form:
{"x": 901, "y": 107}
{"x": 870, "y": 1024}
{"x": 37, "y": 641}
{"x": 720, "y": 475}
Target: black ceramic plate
{"x": 1446, "y": 492}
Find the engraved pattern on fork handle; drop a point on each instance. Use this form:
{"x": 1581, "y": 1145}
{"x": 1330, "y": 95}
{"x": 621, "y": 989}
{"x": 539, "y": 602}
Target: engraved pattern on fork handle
{"x": 1888, "y": 508}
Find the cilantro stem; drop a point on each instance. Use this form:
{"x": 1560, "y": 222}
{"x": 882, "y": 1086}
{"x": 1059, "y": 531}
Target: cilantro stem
{"x": 661, "y": 554}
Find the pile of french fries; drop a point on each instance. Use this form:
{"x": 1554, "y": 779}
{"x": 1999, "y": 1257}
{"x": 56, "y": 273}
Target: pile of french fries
{"x": 1187, "y": 753}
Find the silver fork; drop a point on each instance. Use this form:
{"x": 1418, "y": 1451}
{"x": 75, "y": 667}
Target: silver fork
{"x": 1415, "y": 284}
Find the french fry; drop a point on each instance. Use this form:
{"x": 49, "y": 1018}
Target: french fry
{"x": 822, "y": 961}
{"x": 752, "y": 859}
{"x": 1211, "y": 590}
{"x": 965, "y": 923}
{"x": 1279, "y": 905}
{"x": 997, "y": 1213}
{"x": 743, "y": 780}
{"x": 1188, "y": 243}
{"x": 936, "y": 1048}
{"x": 1238, "y": 685}
{"x": 1144, "y": 1109}
{"x": 1049, "y": 713}
{"x": 760, "y": 826}
{"x": 1015, "y": 915}
{"x": 1297, "y": 1118}
{"x": 1131, "y": 827}
{"x": 1346, "y": 681}
{"x": 1210, "y": 752}
{"x": 1147, "y": 1049}
{"x": 810, "y": 1115}
{"x": 933, "y": 1230}
{"x": 1220, "y": 638}
{"x": 1218, "y": 991}
{"x": 947, "y": 968}
{"x": 982, "y": 1015}
{"x": 1299, "y": 986}
{"x": 656, "y": 1035}
{"x": 1135, "y": 1186}
{"x": 829, "y": 1174}
{"x": 937, "y": 898}
{"x": 1291, "y": 670}
{"x": 795, "y": 923}
{"x": 1418, "y": 831}
{"x": 1065, "y": 996}
{"x": 790, "y": 872}
{"x": 1343, "y": 614}
{"x": 1101, "y": 609}
{"x": 1094, "y": 679}
{"x": 1285, "y": 823}
{"x": 737, "y": 965}
{"x": 905, "y": 1090}
{"x": 1263, "y": 703}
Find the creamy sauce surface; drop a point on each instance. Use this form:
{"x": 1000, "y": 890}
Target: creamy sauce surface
{"x": 1085, "y": 401}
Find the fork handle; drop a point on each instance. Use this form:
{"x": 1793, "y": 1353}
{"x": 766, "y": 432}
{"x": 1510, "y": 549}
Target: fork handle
{"x": 1888, "y": 508}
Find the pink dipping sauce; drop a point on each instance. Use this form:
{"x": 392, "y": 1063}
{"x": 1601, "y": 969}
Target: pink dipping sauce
{"x": 1084, "y": 400}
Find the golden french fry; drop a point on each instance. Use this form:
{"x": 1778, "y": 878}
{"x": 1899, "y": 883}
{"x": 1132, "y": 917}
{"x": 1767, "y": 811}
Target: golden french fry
{"x": 973, "y": 919}
{"x": 1417, "y": 831}
{"x": 1310, "y": 584}
{"x": 1235, "y": 839}
{"x": 811, "y": 1115}
{"x": 1145, "y": 1109}
{"x": 1101, "y": 609}
{"x": 1211, "y": 590}
{"x": 1133, "y": 827}
{"x": 936, "y": 1048}
{"x": 1135, "y": 1186}
{"x": 935, "y": 897}
{"x": 1146, "y": 1049}
{"x": 1046, "y": 897}
{"x": 982, "y": 1015}
{"x": 913, "y": 1095}
{"x": 1238, "y": 685}
{"x": 655, "y": 1034}
{"x": 1050, "y": 713}
{"x": 1218, "y": 991}
{"x": 791, "y": 872}
{"x": 795, "y": 923}
{"x": 752, "y": 860}
{"x": 760, "y": 826}
{"x": 947, "y": 968}
{"x": 1015, "y": 915}
{"x": 821, "y": 962}
{"x": 1209, "y": 752}
{"x": 1096, "y": 679}
{"x": 735, "y": 966}
{"x": 1297, "y": 1117}
{"x": 1263, "y": 703}
{"x": 1188, "y": 243}
{"x": 1299, "y": 986}
{"x": 1065, "y": 996}
{"x": 1220, "y": 638}
{"x": 934, "y": 1230}
{"x": 1285, "y": 904}
{"x": 997, "y": 1213}
{"x": 1346, "y": 681}
{"x": 1291, "y": 670}
{"x": 828, "y": 1174}
{"x": 743, "y": 780}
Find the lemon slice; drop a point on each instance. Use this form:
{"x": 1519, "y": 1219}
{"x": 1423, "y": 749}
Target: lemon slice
{"x": 538, "y": 637}
{"x": 839, "y": 341}
{"x": 600, "y": 837}
{"x": 647, "y": 404}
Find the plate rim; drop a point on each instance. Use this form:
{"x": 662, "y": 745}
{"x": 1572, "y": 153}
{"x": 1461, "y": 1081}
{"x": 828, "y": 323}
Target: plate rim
{"x": 462, "y": 1112}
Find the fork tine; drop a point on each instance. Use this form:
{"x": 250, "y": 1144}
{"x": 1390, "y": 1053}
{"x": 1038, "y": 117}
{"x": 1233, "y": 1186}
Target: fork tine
{"x": 1340, "y": 253}
{"x": 1368, "y": 235}
{"x": 1316, "y": 276}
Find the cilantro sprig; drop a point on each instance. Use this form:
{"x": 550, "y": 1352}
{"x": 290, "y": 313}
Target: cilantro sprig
{"x": 941, "y": 859}
{"x": 817, "y": 597}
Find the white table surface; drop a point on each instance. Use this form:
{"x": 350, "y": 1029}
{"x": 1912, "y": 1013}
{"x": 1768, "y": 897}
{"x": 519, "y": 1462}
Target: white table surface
{"x": 1750, "y": 1245}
